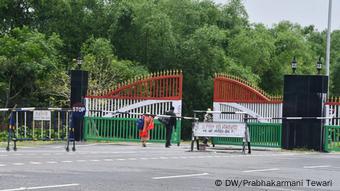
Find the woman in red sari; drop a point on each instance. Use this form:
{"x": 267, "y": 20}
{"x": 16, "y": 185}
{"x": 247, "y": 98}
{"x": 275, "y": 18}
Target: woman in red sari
{"x": 144, "y": 133}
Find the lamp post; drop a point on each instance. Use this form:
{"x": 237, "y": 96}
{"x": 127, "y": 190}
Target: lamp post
{"x": 319, "y": 65}
{"x": 328, "y": 45}
{"x": 79, "y": 62}
{"x": 294, "y": 65}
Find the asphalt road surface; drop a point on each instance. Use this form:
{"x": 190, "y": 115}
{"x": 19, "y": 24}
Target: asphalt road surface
{"x": 128, "y": 166}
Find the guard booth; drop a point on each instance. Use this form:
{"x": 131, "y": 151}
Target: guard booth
{"x": 237, "y": 129}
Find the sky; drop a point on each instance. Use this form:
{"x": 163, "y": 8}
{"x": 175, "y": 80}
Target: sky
{"x": 303, "y": 12}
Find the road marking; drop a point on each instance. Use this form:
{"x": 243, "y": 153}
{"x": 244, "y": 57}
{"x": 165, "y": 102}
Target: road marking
{"x": 3, "y": 155}
{"x": 163, "y": 157}
{"x": 51, "y": 162}
{"x": 324, "y": 166}
{"x": 121, "y": 159}
{"x": 18, "y": 164}
{"x": 95, "y": 160}
{"x": 2, "y": 165}
{"x": 132, "y": 159}
{"x": 261, "y": 170}
{"x": 179, "y": 176}
{"x": 41, "y": 187}
{"x": 143, "y": 158}
{"x": 66, "y": 161}
{"x": 32, "y": 162}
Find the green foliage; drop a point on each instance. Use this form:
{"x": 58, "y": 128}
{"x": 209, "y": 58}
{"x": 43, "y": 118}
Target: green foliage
{"x": 28, "y": 59}
{"x": 105, "y": 69}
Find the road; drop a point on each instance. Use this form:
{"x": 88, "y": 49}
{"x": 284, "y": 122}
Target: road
{"x": 128, "y": 166}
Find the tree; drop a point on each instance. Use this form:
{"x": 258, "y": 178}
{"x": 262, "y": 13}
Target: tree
{"x": 27, "y": 58}
{"x": 105, "y": 69}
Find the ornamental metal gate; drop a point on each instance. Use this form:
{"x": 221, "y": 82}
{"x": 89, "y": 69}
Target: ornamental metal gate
{"x": 233, "y": 94}
{"x": 111, "y": 114}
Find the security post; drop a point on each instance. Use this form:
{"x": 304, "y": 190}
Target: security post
{"x": 78, "y": 112}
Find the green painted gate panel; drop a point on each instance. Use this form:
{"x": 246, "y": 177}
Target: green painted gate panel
{"x": 261, "y": 134}
{"x": 124, "y": 129}
{"x": 332, "y": 138}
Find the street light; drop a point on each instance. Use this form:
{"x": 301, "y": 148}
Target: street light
{"x": 79, "y": 62}
{"x": 294, "y": 65}
{"x": 328, "y": 42}
{"x": 319, "y": 65}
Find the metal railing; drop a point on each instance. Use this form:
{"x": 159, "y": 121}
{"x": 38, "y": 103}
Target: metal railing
{"x": 332, "y": 138}
{"x": 124, "y": 129}
{"x": 261, "y": 135}
{"x": 26, "y": 128}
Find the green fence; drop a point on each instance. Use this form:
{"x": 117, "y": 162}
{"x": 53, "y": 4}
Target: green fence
{"x": 124, "y": 129}
{"x": 332, "y": 137}
{"x": 261, "y": 134}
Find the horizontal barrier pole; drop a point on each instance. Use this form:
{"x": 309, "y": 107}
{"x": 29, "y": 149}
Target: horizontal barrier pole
{"x": 35, "y": 109}
{"x": 154, "y": 115}
{"x": 220, "y": 112}
{"x": 292, "y": 118}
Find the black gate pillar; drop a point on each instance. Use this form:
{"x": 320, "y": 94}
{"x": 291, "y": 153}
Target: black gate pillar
{"x": 79, "y": 83}
{"x": 304, "y": 96}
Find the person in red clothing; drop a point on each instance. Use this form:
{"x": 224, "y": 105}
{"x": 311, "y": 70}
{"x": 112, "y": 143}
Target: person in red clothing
{"x": 148, "y": 125}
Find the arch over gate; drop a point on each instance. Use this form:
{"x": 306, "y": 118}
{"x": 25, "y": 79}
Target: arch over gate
{"x": 235, "y": 94}
{"x": 153, "y": 93}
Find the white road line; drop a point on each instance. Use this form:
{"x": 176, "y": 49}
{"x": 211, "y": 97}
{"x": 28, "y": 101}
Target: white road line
{"x": 95, "y": 160}
{"x": 132, "y": 159}
{"x": 163, "y": 157}
{"x": 143, "y": 158}
{"x": 323, "y": 166}
{"x": 262, "y": 170}
{"x": 41, "y": 187}
{"x": 3, "y": 155}
{"x": 120, "y": 159}
{"x": 18, "y": 164}
{"x": 51, "y": 162}
{"x": 179, "y": 176}
{"x": 2, "y": 165}
{"x": 66, "y": 161}
{"x": 32, "y": 162}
